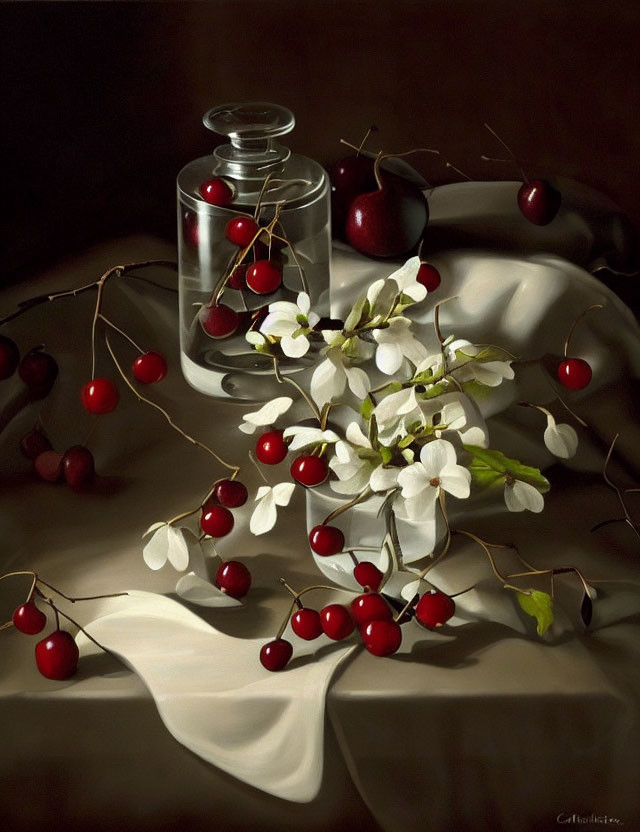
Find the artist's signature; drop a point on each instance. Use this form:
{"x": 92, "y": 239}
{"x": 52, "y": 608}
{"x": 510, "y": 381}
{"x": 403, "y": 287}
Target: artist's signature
{"x": 593, "y": 818}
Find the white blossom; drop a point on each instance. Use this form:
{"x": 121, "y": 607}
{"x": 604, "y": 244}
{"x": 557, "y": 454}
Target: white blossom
{"x": 520, "y": 495}
{"x": 352, "y": 471}
{"x": 332, "y": 375}
{"x": 304, "y": 436}
{"x": 285, "y": 319}
{"x": 265, "y": 513}
{"x": 489, "y": 373}
{"x": 421, "y": 482}
{"x": 167, "y": 543}
{"x": 405, "y": 279}
{"x": 561, "y": 440}
{"x": 267, "y": 414}
{"x": 395, "y": 343}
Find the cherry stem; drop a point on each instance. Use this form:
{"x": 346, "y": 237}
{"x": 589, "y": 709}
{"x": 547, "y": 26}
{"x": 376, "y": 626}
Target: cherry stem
{"x": 404, "y": 610}
{"x": 382, "y": 156}
{"x": 263, "y": 189}
{"x": 32, "y": 588}
{"x": 457, "y": 170}
{"x": 286, "y": 380}
{"x": 293, "y": 592}
{"x": 229, "y": 466}
{"x": 509, "y": 151}
{"x": 492, "y": 562}
{"x": 627, "y": 517}
{"x": 436, "y": 326}
{"x": 576, "y": 322}
{"x": 341, "y": 509}
{"x": 353, "y": 557}
{"x": 79, "y": 598}
{"x": 59, "y": 613}
{"x": 258, "y": 468}
{"x": 121, "y": 332}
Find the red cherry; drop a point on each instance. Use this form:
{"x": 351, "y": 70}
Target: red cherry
{"x": 9, "y": 357}
{"x": 434, "y": 608}
{"x": 336, "y": 621}
{"x": 216, "y": 521}
{"x": 264, "y": 277}
{"x": 574, "y": 373}
{"x": 48, "y": 466}
{"x": 368, "y": 574}
{"x": 429, "y": 276}
{"x": 190, "y": 229}
{"x": 38, "y": 370}
{"x": 100, "y": 395}
{"x": 370, "y": 607}
{"x": 217, "y": 192}
{"x": 306, "y": 624}
{"x": 326, "y": 540}
{"x": 238, "y": 278}
{"x": 78, "y": 466}
{"x": 29, "y": 619}
{"x": 150, "y": 367}
{"x": 309, "y": 470}
{"x": 241, "y": 231}
{"x": 382, "y": 638}
{"x": 275, "y": 654}
{"x": 34, "y": 443}
{"x": 234, "y": 578}
{"x": 231, "y": 493}
{"x": 57, "y": 655}
{"x": 271, "y": 447}
{"x": 219, "y": 321}
{"x": 539, "y": 201}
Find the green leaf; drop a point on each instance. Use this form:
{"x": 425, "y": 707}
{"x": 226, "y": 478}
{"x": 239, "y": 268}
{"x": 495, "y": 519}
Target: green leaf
{"x": 406, "y": 441}
{"x": 491, "y": 353}
{"x": 386, "y": 454}
{"x": 489, "y": 467}
{"x": 366, "y": 408}
{"x": 373, "y": 430}
{"x": 540, "y": 606}
{"x": 354, "y": 317}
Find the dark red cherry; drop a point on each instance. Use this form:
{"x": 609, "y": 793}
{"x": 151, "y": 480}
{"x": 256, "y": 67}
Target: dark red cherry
{"x": 238, "y": 278}
{"x": 39, "y": 371}
{"x": 539, "y": 201}
{"x": 231, "y": 493}
{"x": 382, "y": 638}
{"x": 48, "y": 466}
{"x": 349, "y": 177}
{"x": 9, "y": 357}
{"x": 29, "y": 619}
{"x": 306, "y": 624}
{"x": 217, "y": 191}
{"x": 326, "y": 540}
{"x": 78, "y": 467}
{"x": 100, "y": 395}
{"x": 368, "y": 574}
{"x": 241, "y": 230}
{"x": 216, "y": 521}
{"x": 574, "y": 373}
{"x": 234, "y": 578}
{"x": 219, "y": 321}
{"x": 434, "y": 609}
{"x": 275, "y": 654}
{"x": 264, "y": 277}
{"x": 429, "y": 276}
{"x": 370, "y": 607}
{"x": 150, "y": 367}
{"x": 34, "y": 443}
{"x": 389, "y": 221}
{"x": 309, "y": 470}
{"x": 271, "y": 447}
{"x": 336, "y": 621}
{"x": 57, "y": 656}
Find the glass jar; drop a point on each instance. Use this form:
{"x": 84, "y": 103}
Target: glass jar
{"x": 280, "y": 190}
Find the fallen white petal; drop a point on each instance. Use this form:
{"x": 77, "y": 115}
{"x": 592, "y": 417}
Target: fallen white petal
{"x": 264, "y": 515}
{"x": 282, "y": 493}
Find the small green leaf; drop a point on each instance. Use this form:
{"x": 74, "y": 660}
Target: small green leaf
{"x": 301, "y": 319}
{"x": 354, "y": 317}
{"x": 386, "y": 454}
{"x": 540, "y": 606}
{"x": 366, "y": 408}
{"x": 373, "y": 430}
{"x": 491, "y": 353}
{"x": 489, "y": 467}
{"x": 368, "y": 454}
{"x": 406, "y": 441}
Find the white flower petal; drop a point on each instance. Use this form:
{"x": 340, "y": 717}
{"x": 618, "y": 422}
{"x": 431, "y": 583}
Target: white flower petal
{"x": 358, "y": 380}
{"x": 278, "y": 325}
{"x": 389, "y": 358}
{"x": 282, "y": 493}
{"x": 295, "y": 347}
{"x": 521, "y": 495}
{"x": 437, "y": 455}
{"x": 269, "y": 412}
{"x": 198, "y": 591}
{"x": 254, "y": 337}
{"x": 353, "y": 484}
{"x": 355, "y": 435}
{"x": 304, "y": 303}
{"x": 154, "y": 527}
{"x": 178, "y": 548}
{"x": 264, "y": 515}
{"x": 417, "y": 508}
{"x": 382, "y": 479}
{"x": 260, "y": 493}
{"x": 561, "y": 440}
{"x": 456, "y": 480}
{"x": 156, "y": 551}
{"x": 304, "y": 436}
{"x": 414, "y": 480}
{"x": 327, "y": 381}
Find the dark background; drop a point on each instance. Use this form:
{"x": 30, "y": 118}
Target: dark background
{"x": 102, "y": 102}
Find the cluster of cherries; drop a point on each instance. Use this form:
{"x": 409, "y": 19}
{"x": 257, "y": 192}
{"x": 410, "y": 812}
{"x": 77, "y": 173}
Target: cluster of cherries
{"x": 262, "y": 276}
{"x": 216, "y": 520}
{"x": 100, "y": 395}
{"x": 370, "y": 612}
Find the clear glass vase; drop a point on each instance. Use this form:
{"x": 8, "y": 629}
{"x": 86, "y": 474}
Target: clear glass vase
{"x": 281, "y": 190}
